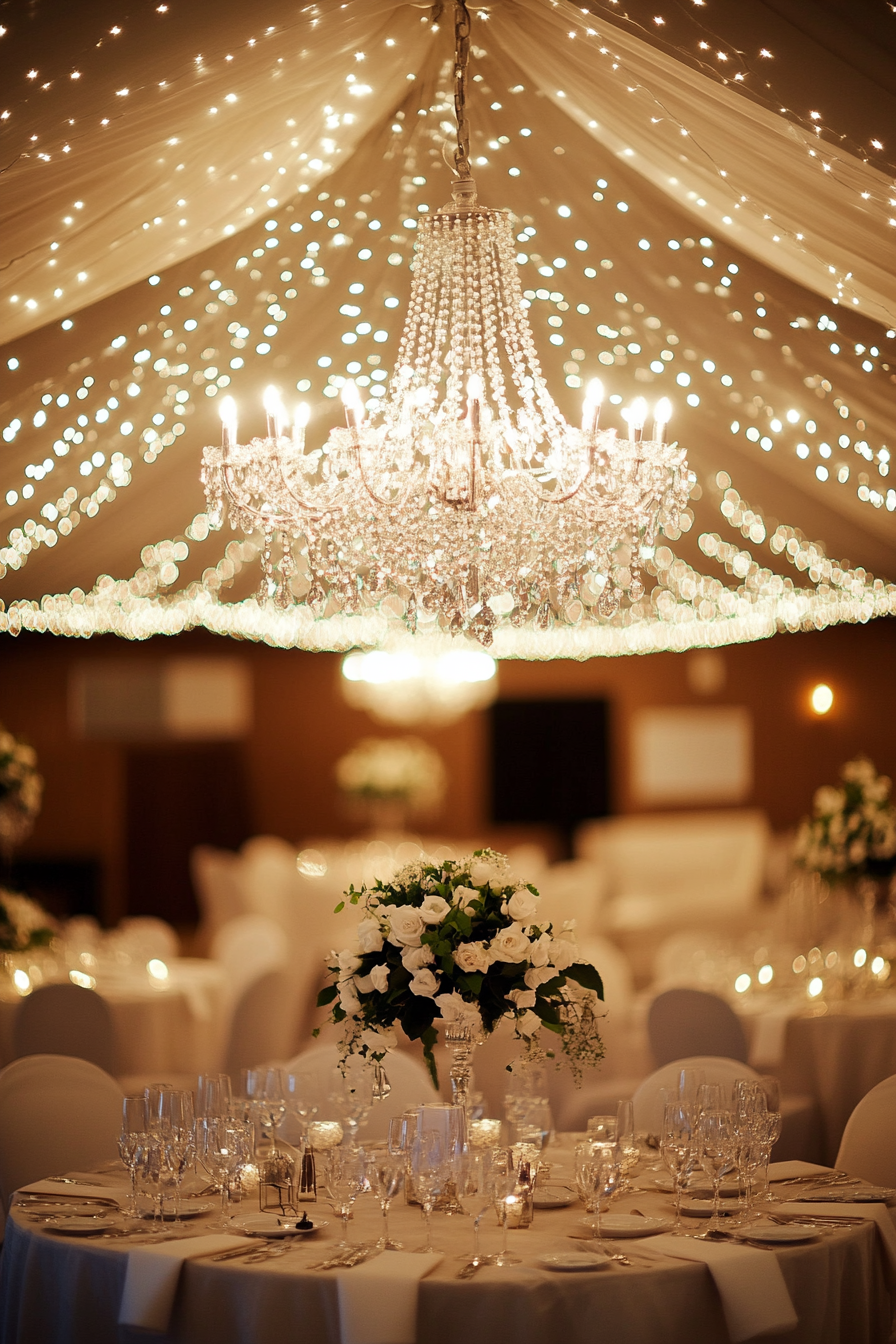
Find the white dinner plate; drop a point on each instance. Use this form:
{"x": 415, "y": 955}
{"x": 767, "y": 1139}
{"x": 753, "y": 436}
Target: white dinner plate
{"x": 572, "y": 1262}
{"x": 697, "y": 1189}
{"x": 80, "y": 1227}
{"x": 554, "y": 1197}
{"x": 66, "y": 1209}
{"x": 627, "y": 1225}
{"x": 793, "y": 1232}
{"x": 271, "y": 1225}
{"x": 191, "y": 1210}
{"x": 702, "y": 1208}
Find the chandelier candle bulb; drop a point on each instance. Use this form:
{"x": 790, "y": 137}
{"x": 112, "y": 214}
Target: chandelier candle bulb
{"x": 300, "y": 420}
{"x": 276, "y": 415}
{"x": 636, "y": 417}
{"x": 354, "y": 409}
{"x": 228, "y": 423}
{"x": 662, "y": 416}
{"x": 594, "y": 395}
{"x": 475, "y": 392}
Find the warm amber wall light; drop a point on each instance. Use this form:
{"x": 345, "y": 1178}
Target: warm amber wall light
{"x": 821, "y": 699}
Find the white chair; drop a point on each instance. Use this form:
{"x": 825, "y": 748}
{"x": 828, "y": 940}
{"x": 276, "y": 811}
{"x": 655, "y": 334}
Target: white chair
{"x": 263, "y": 1022}
{"x": 66, "y": 1020}
{"x": 216, "y": 875}
{"x": 247, "y": 947}
{"x": 411, "y": 1084}
{"x": 648, "y": 1101}
{"x": 57, "y": 1114}
{"x": 868, "y": 1146}
{"x": 572, "y": 890}
{"x": 693, "y": 1022}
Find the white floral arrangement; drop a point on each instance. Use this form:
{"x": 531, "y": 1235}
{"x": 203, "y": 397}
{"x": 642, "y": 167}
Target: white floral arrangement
{"x": 852, "y": 830}
{"x": 399, "y": 769}
{"x": 21, "y": 789}
{"x": 23, "y": 923}
{"x": 460, "y": 940}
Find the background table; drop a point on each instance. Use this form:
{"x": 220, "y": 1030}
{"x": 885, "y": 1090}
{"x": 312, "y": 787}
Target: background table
{"x": 67, "y": 1291}
{"x": 172, "y": 1026}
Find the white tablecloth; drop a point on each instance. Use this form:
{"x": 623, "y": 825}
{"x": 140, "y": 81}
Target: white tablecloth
{"x": 67, "y": 1291}
{"x": 174, "y": 1026}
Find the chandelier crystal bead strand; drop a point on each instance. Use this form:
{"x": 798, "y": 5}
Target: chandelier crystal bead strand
{"x": 464, "y": 498}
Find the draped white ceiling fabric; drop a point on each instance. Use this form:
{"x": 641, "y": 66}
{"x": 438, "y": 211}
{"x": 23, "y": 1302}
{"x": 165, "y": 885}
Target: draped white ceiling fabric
{"x": 245, "y": 214}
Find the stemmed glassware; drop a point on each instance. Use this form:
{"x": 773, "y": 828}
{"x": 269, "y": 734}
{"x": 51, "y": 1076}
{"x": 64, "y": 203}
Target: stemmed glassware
{"x": 769, "y": 1131}
{"x": 301, "y": 1094}
{"x": 343, "y": 1181}
{"x": 477, "y": 1195}
{"x": 131, "y": 1141}
{"x": 629, "y": 1152}
{"x": 676, "y": 1147}
{"x": 177, "y": 1135}
{"x": 266, "y": 1102}
{"x": 352, "y": 1094}
{"x": 717, "y": 1146}
{"x": 385, "y": 1174}
{"x": 429, "y": 1169}
{"x": 503, "y": 1184}
{"x": 223, "y": 1145}
{"x": 606, "y": 1173}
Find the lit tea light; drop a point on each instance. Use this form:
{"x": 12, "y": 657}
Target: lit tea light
{"x": 22, "y": 982}
{"x": 324, "y": 1134}
{"x": 860, "y": 956}
{"x": 765, "y": 975}
{"x": 742, "y": 984}
{"x": 485, "y": 1133}
{"x": 815, "y": 986}
{"x": 81, "y": 980}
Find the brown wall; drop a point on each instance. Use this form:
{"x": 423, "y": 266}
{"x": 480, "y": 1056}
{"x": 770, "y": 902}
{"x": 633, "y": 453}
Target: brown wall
{"x": 302, "y": 726}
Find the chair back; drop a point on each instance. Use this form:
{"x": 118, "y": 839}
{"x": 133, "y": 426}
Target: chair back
{"x": 66, "y": 1020}
{"x": 263, "y": 1024}
{"x": 411, "y": 1085}
{"x": 217, "y": 877}
{"x": 57, "y": 1114}
{"x": 248, "y": 947}
{"x": 693, "y": 1022}
{"x": 648, "y": 1099}
{"x": 868, "y": 1146}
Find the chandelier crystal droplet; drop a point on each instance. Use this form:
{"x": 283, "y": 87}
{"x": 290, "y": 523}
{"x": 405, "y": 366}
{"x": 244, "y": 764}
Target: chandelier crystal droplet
{"x": 463, "y": 498}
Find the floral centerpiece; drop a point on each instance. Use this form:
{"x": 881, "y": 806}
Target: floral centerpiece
{"x": 24, "y": 925}
{"x": 460, "y": 941}
{"x": 21, "y": 790}
{"x": 852, "y": 830}
{"x": 393, "y": 769}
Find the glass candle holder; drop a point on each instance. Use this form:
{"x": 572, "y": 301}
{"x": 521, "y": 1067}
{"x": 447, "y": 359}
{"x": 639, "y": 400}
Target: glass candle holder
{"x": 485, "y": 1133}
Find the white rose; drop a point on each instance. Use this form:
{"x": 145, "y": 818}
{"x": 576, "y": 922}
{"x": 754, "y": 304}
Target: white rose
{"x": 523, "y": 998}
{"x": 348, "y": 999}
{"x": 348, "y": 959}
{"x": 473, "y": 957}
{"x": 528, "y": 1024}
{"x": 370, "y": 935}
{"x": 379, "y": 977}
{"x": 511, "y": 944}
{"x": 380, "y": 1040}
{"x": 434, "y": 909}
{"x": 482, "y": 873}
{"x": 539, "y": 975}
{"x": 540, "y": 950}
{"x": 465, "y": 896}
{"x": 413, "y": 958}
{"x": 405, "y": 926}
{"x": 522, "y": 906}
{"x": 424, "y": 983}
{"x": 454, "y": 1008}
{"x": 363, "y": 984}
{"x": 563, "y": 953}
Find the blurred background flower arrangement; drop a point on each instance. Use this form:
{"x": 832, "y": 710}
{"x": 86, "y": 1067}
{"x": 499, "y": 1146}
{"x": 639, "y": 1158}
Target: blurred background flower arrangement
{"x": 21, "y": 791}
{"x": 392, "y": 778}
{"x": 852, "y": 831}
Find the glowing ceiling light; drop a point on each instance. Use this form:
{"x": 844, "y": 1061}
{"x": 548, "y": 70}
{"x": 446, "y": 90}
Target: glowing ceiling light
{"x": 821, "y": 699}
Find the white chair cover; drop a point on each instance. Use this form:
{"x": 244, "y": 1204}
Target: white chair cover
{"x": 66, "y": 1020}
{"x": 693, "y": 1022}
{"x": 648, "y": 1103}
{"x": 56, "y": 1114}
{"x": 868, "y": 1146}
{"x": 217, "y": 881}
{"x": 572, "y": 890}
{"x": 246, "y": 948}
{"x": 263, "y": 1024}
{"x": 411, "y": 1084}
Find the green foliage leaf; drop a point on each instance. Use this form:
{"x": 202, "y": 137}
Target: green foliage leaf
{"x": 584, "y": 974}
{"x": 327, "y": 995}
{"x": 338, "y": 909}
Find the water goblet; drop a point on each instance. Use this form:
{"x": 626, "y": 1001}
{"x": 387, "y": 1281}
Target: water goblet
{"x": 343, "y": 1181}
{"x": 223, "y": 1144}
{"x": 429, "y": 1170}
{"x": 606, "y": 1173}
{"x": 385, "y": 1173}
{"x": 477, "y": 1195}
{"x": 352, "y": 1094}
{"x": 602, "y": 1129}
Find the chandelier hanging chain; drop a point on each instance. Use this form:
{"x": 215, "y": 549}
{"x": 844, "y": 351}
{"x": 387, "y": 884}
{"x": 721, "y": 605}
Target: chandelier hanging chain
{"x": 462, "y": 497}
{"x": 461, "y": 65}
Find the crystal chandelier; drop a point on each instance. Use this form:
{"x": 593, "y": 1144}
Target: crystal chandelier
{"x": 463, "y": 497}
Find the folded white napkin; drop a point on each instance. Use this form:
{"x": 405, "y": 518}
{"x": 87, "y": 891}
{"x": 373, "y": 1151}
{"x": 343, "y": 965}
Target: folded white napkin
{"x": 378, "y": 1300}
{"x": 118, "y": 1192}
{"x": 754, "y": 1295}
{"x": 875, "y": 1213}
{"x": 789, "y": 1171}
{"x": 152, "y": 1277}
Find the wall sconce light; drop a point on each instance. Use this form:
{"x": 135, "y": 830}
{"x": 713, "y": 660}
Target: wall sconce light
{"x": 821, "y": 699}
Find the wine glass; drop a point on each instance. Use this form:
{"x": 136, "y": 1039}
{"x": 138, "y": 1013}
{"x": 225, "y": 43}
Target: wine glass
{"x": 177, "y": 1129}
{"x": 505, "y": 1191}
{"x": 769, "y": 1131}
{"x": 343, "y": 1181}
{"x": 214, "y": 1094}
{"x": 477, "y": 1195}
{"x": 428, "y": 1163}
{"x": 606, "y": 1173}
{"x": 676, "y": 1146}
{"x": 133, "y": 1129}
{"x": 602, "y": 1129}
{"x": 223, "y": 1144}
{"x": 716, "y": 1151}
{"x": 385, "y": 1173}
{"x": 629, "y": 1152}
{"x": 301, "y": 1098}
{"x": 397, "y": 1141}
{"x": 584, "y": 1181}
{"x": 352, "y": 1094}
{"x": 264, "y": 1091}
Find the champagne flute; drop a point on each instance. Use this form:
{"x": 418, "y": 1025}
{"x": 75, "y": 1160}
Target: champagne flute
{"x": 178, "y": 1131}
{"x": 214, "y": 1094}
{"x": 716, "y": 1151}
{"x": 606, "y": 1172}
{"x": 676, "y": 1147}
{"x": 428, "y": 1168}
{"x": 506, "y": 1196}
{"x": 477, "y": 1195}
{"x": 385, "y": 1173}
{"x": 629, "y": 1152}
{"x": 133, "y": 1129}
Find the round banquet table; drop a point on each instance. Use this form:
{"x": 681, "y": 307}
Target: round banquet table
{"x": 834, "y": 1053}
{"x": 66, "y": 1290}
{"x": 169, "y": 1026}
